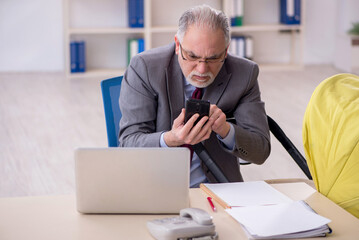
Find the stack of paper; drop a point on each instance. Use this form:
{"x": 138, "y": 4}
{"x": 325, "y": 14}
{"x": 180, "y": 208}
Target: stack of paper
{"x": 265, "y": 213}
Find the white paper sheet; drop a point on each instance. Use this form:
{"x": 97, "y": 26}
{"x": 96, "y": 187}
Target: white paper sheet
{"x": 277, "y": 219}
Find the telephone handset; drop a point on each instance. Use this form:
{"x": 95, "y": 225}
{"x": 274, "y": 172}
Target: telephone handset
{"x": 192, "y": 223}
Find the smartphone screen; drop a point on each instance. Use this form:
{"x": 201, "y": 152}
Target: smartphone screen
{"x": 196, "y": 106}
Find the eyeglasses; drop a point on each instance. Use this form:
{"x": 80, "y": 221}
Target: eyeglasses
{"x": 186, "y": 56}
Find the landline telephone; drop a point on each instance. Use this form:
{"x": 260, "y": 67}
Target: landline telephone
{"x": 192, "y": 224}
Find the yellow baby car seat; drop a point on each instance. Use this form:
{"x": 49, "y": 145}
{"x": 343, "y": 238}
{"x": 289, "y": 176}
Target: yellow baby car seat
{"x": 331, "y": 140}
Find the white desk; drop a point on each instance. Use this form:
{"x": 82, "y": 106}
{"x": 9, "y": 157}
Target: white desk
{"x": 55, "y": 217}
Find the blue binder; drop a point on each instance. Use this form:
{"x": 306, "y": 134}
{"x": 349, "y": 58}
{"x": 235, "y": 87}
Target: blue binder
{"x": 77, "y": 56}
{"x": 81, "y": 56}
{"x": 290, "y": 11}
{"x": 141, "y": 45}
{"x": 135, "y": 13}
{"x": 73, "y": 57}
{"x": 140, "y": 13}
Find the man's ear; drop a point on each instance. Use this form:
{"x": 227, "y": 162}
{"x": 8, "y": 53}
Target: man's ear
{"x": 227, "y": 49}
{"x": 177, "y": 44}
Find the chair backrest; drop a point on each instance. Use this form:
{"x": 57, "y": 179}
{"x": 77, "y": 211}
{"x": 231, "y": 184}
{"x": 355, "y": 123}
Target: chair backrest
{"x": 331, "y": 139}
{"x": 110, "y": 94}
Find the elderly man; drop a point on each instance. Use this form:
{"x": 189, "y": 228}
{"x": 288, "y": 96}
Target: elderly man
{"x": 159, "y": 81}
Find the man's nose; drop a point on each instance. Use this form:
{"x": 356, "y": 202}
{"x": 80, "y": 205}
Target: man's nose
{"x": 202, "y": 67}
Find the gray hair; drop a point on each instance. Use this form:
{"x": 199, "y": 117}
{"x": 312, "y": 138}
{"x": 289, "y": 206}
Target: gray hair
{"x": 203, "y": 15}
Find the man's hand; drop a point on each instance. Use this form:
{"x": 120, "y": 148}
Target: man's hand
{"x": 220, "y": 125}
{"x": 187, "y": 133}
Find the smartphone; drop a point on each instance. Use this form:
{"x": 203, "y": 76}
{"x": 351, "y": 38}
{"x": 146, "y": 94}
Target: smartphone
{"x": 194, "y": 106}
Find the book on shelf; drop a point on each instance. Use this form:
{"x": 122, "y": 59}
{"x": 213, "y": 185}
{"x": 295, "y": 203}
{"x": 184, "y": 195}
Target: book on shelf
{"x": 77, "y": 56}
{"x": 266, "y": 213}
{"x": 134, "y": 46}
{"x": 290, "y": 11}
{"x": 136, "y": 13}
{"x": 235, "y": 12}
{"x": 73, "y": 57}
{"x": 242, "y": 46}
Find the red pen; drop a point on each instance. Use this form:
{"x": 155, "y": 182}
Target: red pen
{"x": 211, "y": 203}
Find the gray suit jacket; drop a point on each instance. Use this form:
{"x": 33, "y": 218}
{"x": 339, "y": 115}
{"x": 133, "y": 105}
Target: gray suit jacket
{"x": 152, "y": 96}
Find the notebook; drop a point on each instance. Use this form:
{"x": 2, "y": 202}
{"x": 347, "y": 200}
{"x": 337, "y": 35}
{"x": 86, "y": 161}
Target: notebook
{"x": 132, "y": 180}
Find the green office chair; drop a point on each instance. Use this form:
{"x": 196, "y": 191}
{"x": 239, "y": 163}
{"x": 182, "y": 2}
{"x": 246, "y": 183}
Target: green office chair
{"x": 110, "y": 95}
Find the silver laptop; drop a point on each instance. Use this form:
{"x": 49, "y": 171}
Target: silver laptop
{"x": 132, "y": 180}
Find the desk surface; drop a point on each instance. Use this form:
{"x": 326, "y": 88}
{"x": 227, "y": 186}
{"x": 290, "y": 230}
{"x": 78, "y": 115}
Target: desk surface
{"x": 55, "y": 217}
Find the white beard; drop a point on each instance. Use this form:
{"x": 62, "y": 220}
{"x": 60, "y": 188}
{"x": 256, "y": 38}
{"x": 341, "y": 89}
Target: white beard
{"x": 198, "y": 83}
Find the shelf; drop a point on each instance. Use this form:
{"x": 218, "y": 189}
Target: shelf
{"x": 246, "y": 28}
{"x": 280, "y": 67}
{"x": 105, "y": 30}
{"x": 164, "y": 29}
{"x": 109, "y": 44}
{"x": 266, "y": 27}
{"x": 118, "y": 72}
{"x": 107, "y": 73}
{"x": 98, "y": 73}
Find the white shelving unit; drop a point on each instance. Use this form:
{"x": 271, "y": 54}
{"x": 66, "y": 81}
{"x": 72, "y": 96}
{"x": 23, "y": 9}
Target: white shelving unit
{"x": 294, "y": 39}
{"x": 276, "y": 46}
{"x": 107, "y": 42}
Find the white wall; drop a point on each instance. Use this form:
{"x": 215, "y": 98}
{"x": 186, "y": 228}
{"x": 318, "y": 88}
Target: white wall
{"x": 320, "y": 23}
{"x": 346, "y": 57}
{"x": 31, "y": 33}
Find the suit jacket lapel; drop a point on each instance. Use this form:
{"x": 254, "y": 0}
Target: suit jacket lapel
{"x": 214, "y": 91}
{"x": 175, "y": 92}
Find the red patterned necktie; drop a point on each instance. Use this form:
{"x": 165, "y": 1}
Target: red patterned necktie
{"x": 197, "y": 94}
